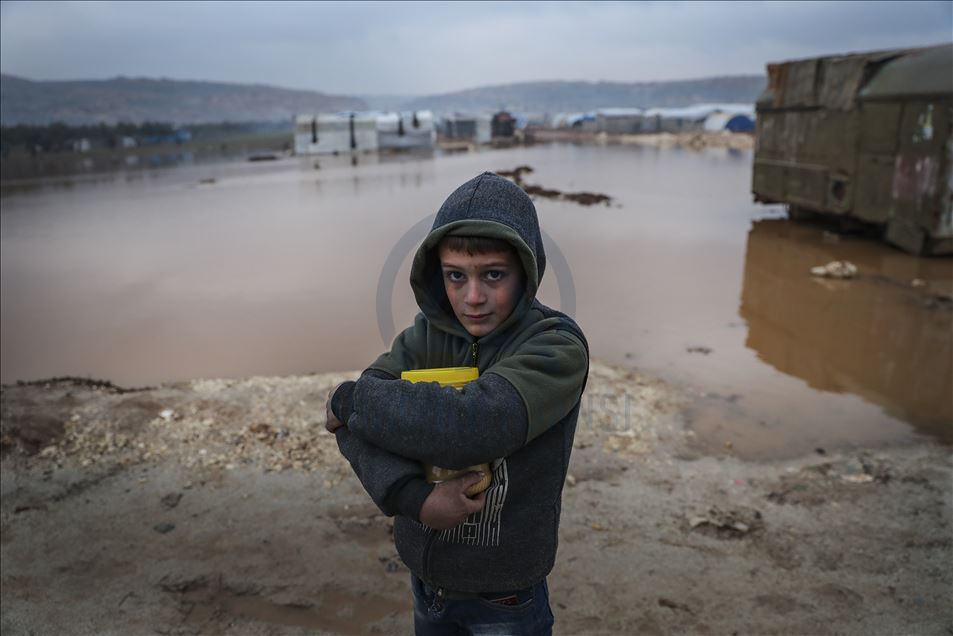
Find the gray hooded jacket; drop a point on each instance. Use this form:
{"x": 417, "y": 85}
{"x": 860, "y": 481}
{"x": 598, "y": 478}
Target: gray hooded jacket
{"x": 519, "y": 416}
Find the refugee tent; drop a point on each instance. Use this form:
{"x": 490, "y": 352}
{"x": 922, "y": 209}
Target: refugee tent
{"x": 619, "y": 120}
{"x": 503, "y": 124}
{"x": 732, "y": 122}
{"x": 461, "y": 127}
{"x": 335, "y": 133}
{"x": 583, "y": 121}
{"x": 531, "y": 120}
{"x": 562, "y": 120}
{"x": 689, "y": 119}
{"x": 406, "y": 130}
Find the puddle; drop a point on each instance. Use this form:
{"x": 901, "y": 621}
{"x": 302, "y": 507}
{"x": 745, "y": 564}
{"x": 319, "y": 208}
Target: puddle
{"x": 882, "y": 337}
{"x": 879, "y": 336}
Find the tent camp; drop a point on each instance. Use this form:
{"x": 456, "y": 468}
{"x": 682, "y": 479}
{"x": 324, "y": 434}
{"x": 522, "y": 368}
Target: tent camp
{"x": 332, "y": 134}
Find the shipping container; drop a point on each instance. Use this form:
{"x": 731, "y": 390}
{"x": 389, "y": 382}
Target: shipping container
{"x": 866, "y": 137}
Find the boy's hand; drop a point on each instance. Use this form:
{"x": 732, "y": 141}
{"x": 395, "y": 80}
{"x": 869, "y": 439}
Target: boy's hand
{"x": 333, "y": 423}
{"x": 448, "y": 506}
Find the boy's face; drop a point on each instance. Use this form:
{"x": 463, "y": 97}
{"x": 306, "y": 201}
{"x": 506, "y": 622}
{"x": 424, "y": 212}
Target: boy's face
{"x": 483, "y": 288}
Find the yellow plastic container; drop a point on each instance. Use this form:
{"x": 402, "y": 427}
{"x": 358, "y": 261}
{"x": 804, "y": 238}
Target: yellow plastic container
{"x": 456, "y": 377}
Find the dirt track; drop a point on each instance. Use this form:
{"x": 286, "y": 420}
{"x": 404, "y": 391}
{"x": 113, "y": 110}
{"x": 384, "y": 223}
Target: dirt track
{"x": 222, "y": 507}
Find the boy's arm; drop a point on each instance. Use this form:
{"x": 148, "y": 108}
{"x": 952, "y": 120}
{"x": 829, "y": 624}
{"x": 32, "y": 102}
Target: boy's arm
{"x": 514, "y": 402}
{"x": 396, "y": 484}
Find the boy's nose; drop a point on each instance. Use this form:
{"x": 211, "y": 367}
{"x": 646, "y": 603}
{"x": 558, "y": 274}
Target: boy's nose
{"x": 475, "y": 295}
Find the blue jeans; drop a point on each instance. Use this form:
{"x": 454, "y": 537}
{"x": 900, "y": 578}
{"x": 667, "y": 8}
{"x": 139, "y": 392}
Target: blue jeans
{"x": 504, "y": 614}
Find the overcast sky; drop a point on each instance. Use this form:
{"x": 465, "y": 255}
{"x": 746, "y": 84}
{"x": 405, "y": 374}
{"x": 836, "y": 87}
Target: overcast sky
{"x": 424, "y": 48}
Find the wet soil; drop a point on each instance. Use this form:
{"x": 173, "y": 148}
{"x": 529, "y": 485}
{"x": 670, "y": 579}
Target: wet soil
{"x": 222, "y": 506}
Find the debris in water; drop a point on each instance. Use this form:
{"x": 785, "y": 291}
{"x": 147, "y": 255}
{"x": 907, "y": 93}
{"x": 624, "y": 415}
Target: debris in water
{"x": 835, "y": 269}
{"x": 163, "y": 528}
{"x": 939, "y": 302}
{"x": 516, "y": 174}
{"x": 587, "y": 198}
{"x": 167, "y": 414}
{"x": 540, "y": 191}
{"x": 702, "y": 350}
{"x": 207, "y": 181}
{"x": 582, "y": 198}
{"x": 263, "y": 157}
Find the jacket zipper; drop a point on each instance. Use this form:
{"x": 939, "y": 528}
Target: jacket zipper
{"x": 430, "y": 537}
{"x": 474, "y": 349}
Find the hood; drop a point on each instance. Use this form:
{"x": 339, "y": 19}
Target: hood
{"x": 487, "y": 206}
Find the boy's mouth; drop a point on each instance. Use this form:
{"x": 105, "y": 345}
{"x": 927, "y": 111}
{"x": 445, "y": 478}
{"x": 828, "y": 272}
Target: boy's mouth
{"x": 477, "y": 317}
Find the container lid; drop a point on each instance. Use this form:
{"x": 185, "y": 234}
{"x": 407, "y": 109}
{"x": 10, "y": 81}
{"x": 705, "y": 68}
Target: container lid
{"x": 446, "y": 376}
{"x": 920, "y": 72}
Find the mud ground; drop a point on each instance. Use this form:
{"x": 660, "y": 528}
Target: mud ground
{"x": 222, "y": 507}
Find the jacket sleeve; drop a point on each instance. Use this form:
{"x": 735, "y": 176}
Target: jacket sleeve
{"x": 395, "y": 484}
{"x": 512, "y": 403}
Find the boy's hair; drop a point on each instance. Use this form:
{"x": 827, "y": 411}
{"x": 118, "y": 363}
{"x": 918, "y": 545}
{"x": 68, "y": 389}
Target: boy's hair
{"x": 476, "y": 245}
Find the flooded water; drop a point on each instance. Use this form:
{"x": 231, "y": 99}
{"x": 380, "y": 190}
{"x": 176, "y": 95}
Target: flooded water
{"x": 230, "y": 270}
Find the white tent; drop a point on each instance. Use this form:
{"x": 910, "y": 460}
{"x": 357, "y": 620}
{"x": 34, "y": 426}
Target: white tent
{"x": 690, "y": 118}
{"x": 406, "y": 130}
{"x": 619, "y": 120}
{"x": 337, "y": 133}
{"x": 475, "y": 128}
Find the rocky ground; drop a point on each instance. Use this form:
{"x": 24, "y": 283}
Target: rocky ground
{"x": 222, "y": 507}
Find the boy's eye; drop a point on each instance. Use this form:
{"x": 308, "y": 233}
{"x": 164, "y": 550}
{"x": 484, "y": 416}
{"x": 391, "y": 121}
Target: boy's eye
{"x": 454, "y": 277}
{"x": 494, "y": 275}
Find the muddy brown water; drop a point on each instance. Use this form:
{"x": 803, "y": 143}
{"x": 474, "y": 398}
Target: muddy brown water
{"x": 237, "y": 269}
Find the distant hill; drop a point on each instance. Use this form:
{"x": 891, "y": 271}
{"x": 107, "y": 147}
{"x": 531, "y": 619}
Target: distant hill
{"x": 135, "y": 100}
{"x": 386, "y": 102}
{"x": 555, "y": 97}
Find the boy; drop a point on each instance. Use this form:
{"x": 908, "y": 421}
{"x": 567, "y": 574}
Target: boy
{"x": 479, "y": 564}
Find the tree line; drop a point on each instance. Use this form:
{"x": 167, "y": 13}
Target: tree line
{"x": 59, "y": 136}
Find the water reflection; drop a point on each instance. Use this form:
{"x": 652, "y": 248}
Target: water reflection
{"x": 878, "y": 336}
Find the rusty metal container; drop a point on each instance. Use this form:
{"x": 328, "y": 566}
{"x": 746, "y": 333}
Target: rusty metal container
{"x": 867, "y": 137}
